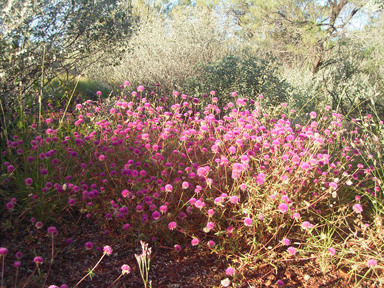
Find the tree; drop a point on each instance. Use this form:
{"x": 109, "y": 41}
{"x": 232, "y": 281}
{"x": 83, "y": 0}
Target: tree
{"x": 299, "y": 32}
{"x": 40, "y": 39}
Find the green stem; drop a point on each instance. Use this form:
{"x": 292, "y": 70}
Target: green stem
{"x": 90, "y": 271}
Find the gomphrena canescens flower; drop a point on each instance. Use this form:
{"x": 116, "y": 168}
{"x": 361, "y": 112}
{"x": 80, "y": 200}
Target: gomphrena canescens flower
{"x": 371, "y": 263}
{"x": 3, "y": 251}
{"x": 88, "y": 245}
{"x": 38, "y": 260}
{"x": 52, "y": 231}
{"x": 230, "y": 271}
{"x": 107, "y": 250}
{"x": 125, "y": 269}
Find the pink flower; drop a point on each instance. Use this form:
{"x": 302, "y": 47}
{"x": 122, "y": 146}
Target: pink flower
{"x": 313, "y": 114}
{"x": 286, "y": 241}
{"x": 306, "y": 225}
{"x": 332, "y": 251}
{"x": 283, "y": 207}
{"x": 28, "y": 181}
{"x": 125, "y": 269}
{"x": 292, "y": 250}
{"x": 210, "y": 225}
{"x": 211, "y": 212}
{"x": 280, "y": 283}
{"x": 371, "y": 263}
{"x": 177, "y": 248}
{"x": 140, "y": 88}
{"x": 3, "y": 251}
{"x": 52, "y": 231}
{"x": 88, "y": 245}
{"x": 233, "y": 199}
{"x": 296, "y": 216}
{"x": 38, "y": 260}
{"x": 126, "y": 83}
{"x": 185, "y": 185}
{"x": 211, "y": 243}
{"x": 99, "y": 93}
{"x": 333, "y": 185}
{"x": 168, "y": 188}
{"x": 172, "y": 225}
{"x": 195, "y": 241}
{"x": 247, "y": 221}
{"x": 107, "y": 250}
{"x": 230, "y": 271}
{"x": 357, "y": 208}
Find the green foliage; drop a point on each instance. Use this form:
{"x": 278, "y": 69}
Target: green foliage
{"x": 249, "y": 76}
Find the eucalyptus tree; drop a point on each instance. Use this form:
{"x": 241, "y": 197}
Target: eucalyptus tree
{"x": 40, "y": 39}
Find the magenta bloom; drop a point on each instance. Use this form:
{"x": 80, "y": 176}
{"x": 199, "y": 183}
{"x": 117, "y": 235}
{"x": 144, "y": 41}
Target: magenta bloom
{"x": 177, "y": 248}
{"x": 172, "y": 225}
{"x": 286, "y": 241}
{"x": 211, "y": 243}
{"x": 230, "y": 271}
{"x": 210, "y": 225}
{"x": 3, "y": 251}
{"x": 233, "y": 199}
{"x": 371, "y": 263}
{"x": 125, "y": 269}
{"x": 195, "y": 241}
{"x": 140, "y": 88}
{"x": 185, "y": 185}
{"x": 292, "y": 250}
{"x": 52, "y": 231}
{"x": 283, "y": 207}
{"x": 88, "y": 245}
{"x": 17, "y": 264}
{"x": 126, "y": 83}
{"x": 168, "y": 188}
{"x": 333, "y": 185}
{"x": 107, "y": 250}
{"x": 38, "y": 260}
{"x": 10, "y": 205}
{"x": 280, "y": 283}
{"x": 357, "y": 208}
{"x": 247, "y": 221}
{"x": 28, "y": 181}
{"x": 306, "y": 225}
{"x": 332, "y": 251}
{"x": 99, "y": 93}
{"x": 313, "y": 114}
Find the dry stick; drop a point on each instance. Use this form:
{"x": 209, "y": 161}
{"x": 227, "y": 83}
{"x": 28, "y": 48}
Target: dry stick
{"x": 41, "y": 86}
{"x": 73, "y": 92}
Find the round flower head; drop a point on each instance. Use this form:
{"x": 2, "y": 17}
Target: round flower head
{"x": 64, "y": 286}
{"x": 292, "y": 250}
{"x": 357, "y": 208}
{"x": 88, "y": 245}
{"x": 286, "y": 241}
{"x": 371, "y": 263}
{"x": 283, "y": 208}
{"x": 172, "y": 225}
{"x": 39, "y": 225}
{"x": 53, "y": 286}
{"x": 140, "y": 88}
{"x": 52, "y": 231}
{"x": 332, "y": 251}
{"x": 125, "y": 269}
{"x": 280, "y": 283}
{"x": 16, "y": 264}
{"x": 177, "y": 248}
{"x": 211, "y": 243}
{"x": 247, "y": 221}
{"x": 3, "y": 251}
{"x": 107, "y": 250}
{"x": 230, "y": 271}
{"x": 38, "y": 260}
{"x": 195, "y": 241}
{"x": 28, "y": 181}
